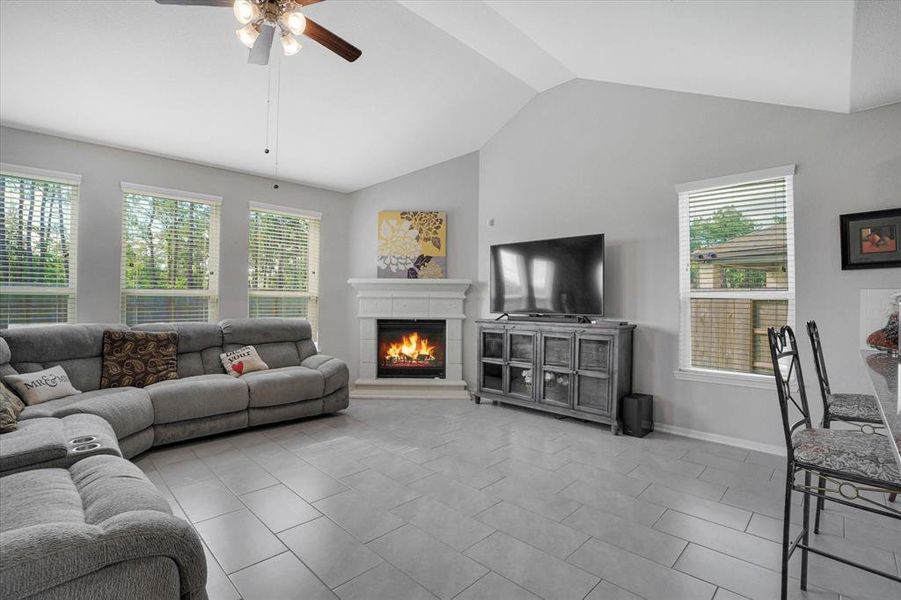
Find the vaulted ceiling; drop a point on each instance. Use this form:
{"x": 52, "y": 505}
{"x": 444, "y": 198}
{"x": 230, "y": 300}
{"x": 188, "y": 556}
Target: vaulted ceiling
{"x": 437, "y": 78}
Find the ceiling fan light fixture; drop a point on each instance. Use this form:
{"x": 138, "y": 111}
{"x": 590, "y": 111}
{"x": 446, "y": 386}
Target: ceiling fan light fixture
{"x": 290, "y": 44}
{"x": 294, "y": 21}
{"x": 248, "y": 34}
{"x": 246, "y": 11}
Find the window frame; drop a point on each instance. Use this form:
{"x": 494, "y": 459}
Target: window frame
{"x": 314, "y": 274}
{"x": 71, "y": 290}
{"x": 212, "y": 291}
{"x": 685, "y": 371}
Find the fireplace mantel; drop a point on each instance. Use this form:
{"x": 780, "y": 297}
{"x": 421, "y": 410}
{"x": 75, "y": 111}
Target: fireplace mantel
{"x": 410, "y": 299}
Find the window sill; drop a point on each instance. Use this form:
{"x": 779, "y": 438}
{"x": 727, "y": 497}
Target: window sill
{"x": 749, "y": 380}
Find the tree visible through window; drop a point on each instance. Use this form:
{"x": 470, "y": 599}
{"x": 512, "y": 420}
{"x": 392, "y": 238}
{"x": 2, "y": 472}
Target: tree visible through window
{"x": 37, "y": 249}
{"x": 737, "y": 272}
{"x": 169, "y": 259}
{"x": 283, "y": 272}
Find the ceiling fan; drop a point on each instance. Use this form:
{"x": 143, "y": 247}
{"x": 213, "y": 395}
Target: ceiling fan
{"x": 260, "y": 19}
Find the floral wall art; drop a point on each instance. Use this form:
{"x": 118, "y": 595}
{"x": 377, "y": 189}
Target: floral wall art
{"x": 412, "y": 245}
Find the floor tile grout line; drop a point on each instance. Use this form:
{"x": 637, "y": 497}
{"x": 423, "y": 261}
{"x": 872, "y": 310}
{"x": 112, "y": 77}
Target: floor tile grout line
{"x": 229, "y": 575}
{"x": 461, "y": 592}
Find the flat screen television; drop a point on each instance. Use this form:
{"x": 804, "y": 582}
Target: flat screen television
{"x": 563, "y": 276}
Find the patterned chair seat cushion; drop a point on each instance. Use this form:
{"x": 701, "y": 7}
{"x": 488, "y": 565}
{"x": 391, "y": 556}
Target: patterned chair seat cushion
{"x": 854, "y": 407}
{"x": 849, "y": 454}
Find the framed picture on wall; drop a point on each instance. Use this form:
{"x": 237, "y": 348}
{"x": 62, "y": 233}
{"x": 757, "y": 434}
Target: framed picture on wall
{"x": 870, "y": 239}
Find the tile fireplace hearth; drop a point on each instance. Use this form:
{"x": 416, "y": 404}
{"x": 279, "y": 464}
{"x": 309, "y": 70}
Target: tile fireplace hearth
{"x": 411, "y": 338}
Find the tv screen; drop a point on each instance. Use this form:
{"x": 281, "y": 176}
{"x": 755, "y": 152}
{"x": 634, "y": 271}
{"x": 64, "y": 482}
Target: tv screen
{"x": 563, "y": 276}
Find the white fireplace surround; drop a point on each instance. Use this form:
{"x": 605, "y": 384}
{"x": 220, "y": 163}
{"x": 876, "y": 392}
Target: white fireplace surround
{"x": 410, "y": 299}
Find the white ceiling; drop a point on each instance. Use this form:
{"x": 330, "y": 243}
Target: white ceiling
{"x": 437, "y": 78}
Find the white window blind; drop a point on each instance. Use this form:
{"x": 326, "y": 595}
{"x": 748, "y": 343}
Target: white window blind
{"x": 38, "y": 246}
{"x": 284, "y": 264}
{"x": 170, "y": 256}
{"x": 736, "y": 269}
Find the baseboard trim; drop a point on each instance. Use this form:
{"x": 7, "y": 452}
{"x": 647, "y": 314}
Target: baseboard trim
{"x": 720, "y": 439}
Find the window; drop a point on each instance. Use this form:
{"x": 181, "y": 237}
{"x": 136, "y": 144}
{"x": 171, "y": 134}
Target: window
{"x": 736, "y": 270}
{"x": 38, "y": 227}
{"x": 284, "y": 264}
{"x": 170, "y": 255}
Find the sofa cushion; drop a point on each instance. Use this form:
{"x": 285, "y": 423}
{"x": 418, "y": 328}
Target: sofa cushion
{"x": 35, "y": 497}
{"x": 5, "y": 354}
{"x": 283, "y": 386}
{"x": 199, "y": 346}
{"x": 251, "y": 332}
{"x": 276, "y": 339}
{"x": 196, "y": 397}
{"x": 41, "y": 386}
{"x": 127, "y": 410}
{"x": 333, "y": 370}
{"x": 10, "y": 407}
{"x": 241, "y": 361}
{"x": 192, "y": 337}
{"x": 138, "y": 358}
{"x": 75, "y": 347}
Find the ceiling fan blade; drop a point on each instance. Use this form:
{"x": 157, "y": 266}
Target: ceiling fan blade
{"x": 320, "y": 34}
{"x": 259, "y": 54}
{"x": 197, "y": 2}
{"x": 307, "y": 2}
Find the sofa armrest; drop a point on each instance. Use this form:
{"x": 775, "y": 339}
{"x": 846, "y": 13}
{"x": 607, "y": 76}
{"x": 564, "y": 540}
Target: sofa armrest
{"x": 38, "y": 558}
{"x": 35, "y": 442}
{"x": 59, "y": 525}
{"x": 334, "y": 371}
{"x": 46, "y": 442}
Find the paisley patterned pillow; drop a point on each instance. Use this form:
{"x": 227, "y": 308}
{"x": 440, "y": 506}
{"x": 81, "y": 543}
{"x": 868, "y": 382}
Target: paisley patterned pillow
{"x": 138, "y": 358}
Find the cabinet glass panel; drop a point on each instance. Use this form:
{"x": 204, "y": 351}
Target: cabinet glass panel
{"x": 594, "y": 354}
{"x": 493, "y": 344}
{"x": 522, "y": 347}
{"x": 492, "y": 376}
{"x": 521, "y": 382}
{"x": 592, "y": 394}
{"x": 557, "y": 351}
{"x": 555, "y": 388}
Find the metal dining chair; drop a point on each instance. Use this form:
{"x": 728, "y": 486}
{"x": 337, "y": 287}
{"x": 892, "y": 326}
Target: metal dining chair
{"x": 848, "y": 408}
{"x": 859, "y": 410}
{"x": 847, "y": 463}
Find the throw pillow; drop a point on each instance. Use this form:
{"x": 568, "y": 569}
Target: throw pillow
{"x": 243, "y": 360}
{"x": 41, "y": 386}
{"x": 10, "y": 407}
{"x": 138, "y": 358}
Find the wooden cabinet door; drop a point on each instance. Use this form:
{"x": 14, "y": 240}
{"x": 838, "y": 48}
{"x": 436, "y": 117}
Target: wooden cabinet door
{"x": 555, "y": 360}
{"x": 593, "y": 374}
{"x": 520, "y": 365}
{"x": 493, "y": 343}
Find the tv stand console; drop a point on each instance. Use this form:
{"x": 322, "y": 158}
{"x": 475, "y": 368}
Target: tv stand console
{"x": 570, "y": 369}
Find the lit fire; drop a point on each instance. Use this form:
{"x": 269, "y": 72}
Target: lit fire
{"x": 411, "y": 348}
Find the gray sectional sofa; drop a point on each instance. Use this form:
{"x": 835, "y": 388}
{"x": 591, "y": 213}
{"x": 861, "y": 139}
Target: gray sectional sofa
{"x": 77, "y": 520}
{"x": 203, "y": 400}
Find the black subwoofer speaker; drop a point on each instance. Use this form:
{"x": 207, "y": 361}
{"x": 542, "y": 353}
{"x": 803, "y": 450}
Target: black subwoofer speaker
{"x": 638, "y": 414}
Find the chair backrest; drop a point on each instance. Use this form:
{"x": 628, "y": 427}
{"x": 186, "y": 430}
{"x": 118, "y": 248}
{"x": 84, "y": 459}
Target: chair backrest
{"x": 818, "y": 361}
{"x": 787, "y": 367}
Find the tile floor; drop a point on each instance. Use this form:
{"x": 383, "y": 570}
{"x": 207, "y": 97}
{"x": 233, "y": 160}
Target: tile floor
{"x": 439, "y": 499}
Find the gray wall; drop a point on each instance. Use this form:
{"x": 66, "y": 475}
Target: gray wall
{"x": 100, "y": 222}
{"x": 452, "y": 186}
{"x": 589, "y": 157}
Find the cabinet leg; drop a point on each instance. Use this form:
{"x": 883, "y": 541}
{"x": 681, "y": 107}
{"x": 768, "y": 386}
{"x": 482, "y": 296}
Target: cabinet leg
{"x": 476, "y": 399}
{"x": 615, "y": 428}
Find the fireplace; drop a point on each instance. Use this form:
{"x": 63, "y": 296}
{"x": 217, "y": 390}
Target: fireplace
{"x": 411, "y": 348}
